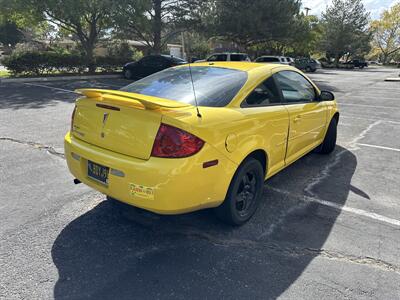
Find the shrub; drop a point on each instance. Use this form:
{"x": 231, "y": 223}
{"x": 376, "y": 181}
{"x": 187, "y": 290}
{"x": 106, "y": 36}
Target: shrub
{"x": 110, "y": 63}
{"x": 38, "y": 63}
{"x": 124, "y": 51}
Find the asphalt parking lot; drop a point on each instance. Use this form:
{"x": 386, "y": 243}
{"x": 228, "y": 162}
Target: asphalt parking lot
{"x": 328, "y": 226}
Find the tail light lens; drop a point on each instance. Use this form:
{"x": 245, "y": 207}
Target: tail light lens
{"x": 72, "y": 119}
{"x": 172, "y": 142}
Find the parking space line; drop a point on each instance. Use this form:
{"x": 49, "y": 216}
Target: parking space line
{"x": 336, "y": 206}
{"x": 379, "y": 147}
{"x": 371, "y": 106}
{"x": 351, "y": 116}
{"x": 50, "y": 87}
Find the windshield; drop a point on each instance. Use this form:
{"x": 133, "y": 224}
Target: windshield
{"x": 214, "y": 86}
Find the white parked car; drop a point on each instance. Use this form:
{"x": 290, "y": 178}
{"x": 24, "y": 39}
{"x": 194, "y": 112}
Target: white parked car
{"x": 273, "y": 60}
{"x": 226, "y": 57}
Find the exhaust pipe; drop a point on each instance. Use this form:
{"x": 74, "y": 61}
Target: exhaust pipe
{"x": 76, "y": 181}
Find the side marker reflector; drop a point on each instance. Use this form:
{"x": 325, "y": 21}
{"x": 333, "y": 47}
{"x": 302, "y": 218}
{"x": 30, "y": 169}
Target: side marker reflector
{"x": 210, "y": 163}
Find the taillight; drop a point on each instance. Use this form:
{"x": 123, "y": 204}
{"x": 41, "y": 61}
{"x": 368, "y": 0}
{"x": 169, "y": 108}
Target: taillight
{"x": 172, "y": 142}
{"x": 72, "y": 119}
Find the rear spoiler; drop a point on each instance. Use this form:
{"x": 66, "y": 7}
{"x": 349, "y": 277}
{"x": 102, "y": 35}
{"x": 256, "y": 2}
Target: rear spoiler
{"x": 129, "y": 99}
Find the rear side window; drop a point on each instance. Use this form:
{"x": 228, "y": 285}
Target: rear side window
{"x": 214, "y": 86}
{"x": 295, "y": 88}
{"x": 265, "y": 94}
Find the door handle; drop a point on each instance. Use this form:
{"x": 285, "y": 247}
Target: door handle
{"x": 297, "y": 119}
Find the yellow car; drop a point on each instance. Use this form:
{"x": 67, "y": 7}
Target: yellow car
{"x": 152, "y": 146}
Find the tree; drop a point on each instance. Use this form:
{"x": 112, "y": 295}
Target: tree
{"x": 10, "y": 34}
{"x": 345, "y": 29}
{"x": 307, "y": 36}
{"x": 253, "y": 22}
{"x": 87, "y": 20}
{"x": 386, "y": 33}
{"x": 154, "y": 22}
{"x": 15, "y": 24}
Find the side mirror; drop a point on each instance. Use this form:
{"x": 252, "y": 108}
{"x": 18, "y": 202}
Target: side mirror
{"x": 326, "y": 96}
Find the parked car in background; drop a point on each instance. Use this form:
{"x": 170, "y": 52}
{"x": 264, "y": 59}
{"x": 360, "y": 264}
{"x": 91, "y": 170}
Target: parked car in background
{"x": 307, "y": 64}
{"x": 290, "y": 60}
{"x": 273, "y": 60}
{"x": 226, "y": 57}
{"x": 149, "y": 65}
{"x": 357, "y": 63}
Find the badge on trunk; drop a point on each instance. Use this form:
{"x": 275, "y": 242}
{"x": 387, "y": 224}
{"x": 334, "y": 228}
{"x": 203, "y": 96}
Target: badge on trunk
{"x": 105, "y": 118}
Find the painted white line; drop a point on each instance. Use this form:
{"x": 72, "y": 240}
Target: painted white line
{"x": 325, "y": 172}
{"x": 50, "y": 87}
{"x": 379, "y": 147}
{"x": 366, "y": 105}
{"x": 336, "y": 206}
{"x": 350, "y": 116}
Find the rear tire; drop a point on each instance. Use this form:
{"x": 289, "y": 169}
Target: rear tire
{"x": 244, "y": 194}
{"x": 329, "y": 143}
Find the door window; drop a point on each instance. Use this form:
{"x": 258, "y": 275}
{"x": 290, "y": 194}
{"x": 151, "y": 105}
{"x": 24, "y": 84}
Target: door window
{"x": 265, "y": 94}
{"x": 268, "y": 59}
{"x": 295, "y": 88}
{"x": 218, "y": 57}
{"x": 238, "y": 57}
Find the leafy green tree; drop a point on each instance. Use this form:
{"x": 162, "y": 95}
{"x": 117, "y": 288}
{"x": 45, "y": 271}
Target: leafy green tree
{"x": 87, "y": 20}
{"x": 307, "y": 36}
{"x": 254, "y": 22}
{"x": 10, "y": 34}
{"x": 345, "y": 29}
{"x": 154, "y": 22}
{"x": 386, "y": 33}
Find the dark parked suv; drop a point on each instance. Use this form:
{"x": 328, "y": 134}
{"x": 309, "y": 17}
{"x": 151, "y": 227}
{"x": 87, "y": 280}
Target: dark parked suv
{"x": 149, "y": 65}
{"x": 307, "y": 64}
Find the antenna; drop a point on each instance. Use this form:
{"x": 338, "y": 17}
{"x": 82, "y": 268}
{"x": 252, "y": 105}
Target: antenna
{"x": 194, "y": 91}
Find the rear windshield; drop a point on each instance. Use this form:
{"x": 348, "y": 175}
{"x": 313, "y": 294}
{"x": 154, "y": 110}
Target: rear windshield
{"x": 214, "y": 86}
{"x": 177, "y": 60}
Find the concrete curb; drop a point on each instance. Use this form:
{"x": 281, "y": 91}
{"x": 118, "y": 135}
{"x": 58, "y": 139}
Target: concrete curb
{"x": 60, "y": 78}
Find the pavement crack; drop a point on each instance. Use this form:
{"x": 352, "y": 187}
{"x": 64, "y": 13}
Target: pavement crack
{"x": 35, "y": 145}
{"x": 292, "y": 251}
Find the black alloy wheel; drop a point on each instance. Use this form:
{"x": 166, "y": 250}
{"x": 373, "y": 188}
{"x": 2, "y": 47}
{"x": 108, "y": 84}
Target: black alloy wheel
{"x": 244, "y": 193}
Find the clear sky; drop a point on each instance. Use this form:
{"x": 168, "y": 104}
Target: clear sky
{"x": 373, "y": 6}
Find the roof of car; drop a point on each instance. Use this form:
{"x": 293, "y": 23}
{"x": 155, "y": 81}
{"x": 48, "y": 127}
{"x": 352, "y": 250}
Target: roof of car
{"x": 277, "y": 56}
{"x": 237, "y": 65}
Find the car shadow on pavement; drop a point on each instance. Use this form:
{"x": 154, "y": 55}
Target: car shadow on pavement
{"x": 114, "y": 252}
{"x": 30, "y": 96}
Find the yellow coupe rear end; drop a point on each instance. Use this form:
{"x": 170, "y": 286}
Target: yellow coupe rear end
{"x": 148, "y": 144}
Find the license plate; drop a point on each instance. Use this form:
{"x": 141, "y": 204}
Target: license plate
{"x": 98, "y": 172}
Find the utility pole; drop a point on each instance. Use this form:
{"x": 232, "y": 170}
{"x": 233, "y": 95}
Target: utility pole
{"x": 307, "y": 9}
{"x": 184, "y": 56}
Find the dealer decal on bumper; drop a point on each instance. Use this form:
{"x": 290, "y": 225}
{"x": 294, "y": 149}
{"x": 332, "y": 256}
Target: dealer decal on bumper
{"x": 142, "y": 191}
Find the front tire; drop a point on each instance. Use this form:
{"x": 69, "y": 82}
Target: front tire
{"x": 128, "y": 74}
{"x": 329, "y": 143}
{"x": 244, "y": 194}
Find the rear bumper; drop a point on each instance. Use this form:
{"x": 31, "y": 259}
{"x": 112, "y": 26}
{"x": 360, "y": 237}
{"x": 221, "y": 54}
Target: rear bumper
{"x": 165, "y": 186}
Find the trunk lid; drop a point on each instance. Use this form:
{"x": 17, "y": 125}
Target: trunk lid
{"x": 122, "y": 122}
